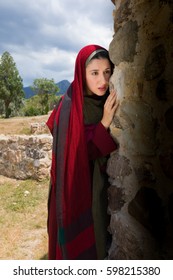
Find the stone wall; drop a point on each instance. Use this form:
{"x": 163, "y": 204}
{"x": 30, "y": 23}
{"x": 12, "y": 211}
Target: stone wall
{"x": 141, "y": 170}
{"x": 24, "y": 157}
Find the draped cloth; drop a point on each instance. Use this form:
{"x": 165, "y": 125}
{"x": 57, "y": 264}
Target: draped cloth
{"x": 70, "y": 219}
{"x": 93, "y": 112}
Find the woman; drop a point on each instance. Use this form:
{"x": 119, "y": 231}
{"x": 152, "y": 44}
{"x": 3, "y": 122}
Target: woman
{"x": 77, "y": 208}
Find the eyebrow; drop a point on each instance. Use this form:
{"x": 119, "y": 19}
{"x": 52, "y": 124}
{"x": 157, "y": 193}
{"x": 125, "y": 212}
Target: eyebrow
{"x": 98, "y": 69}
{"x": 93, "y": 70}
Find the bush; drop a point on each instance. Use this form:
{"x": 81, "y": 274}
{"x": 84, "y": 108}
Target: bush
{"x": 32, "y": 111}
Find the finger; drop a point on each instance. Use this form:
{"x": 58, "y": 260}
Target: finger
{"x": 113, "y": 92}
{"x": 115, "y": 106}
{"x": 111, "y": 98}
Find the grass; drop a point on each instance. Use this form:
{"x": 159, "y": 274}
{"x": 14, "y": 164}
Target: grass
{"x": 25, "y": 130}
{"x": 20, "y": 125}
{"x": 23, "y": 219}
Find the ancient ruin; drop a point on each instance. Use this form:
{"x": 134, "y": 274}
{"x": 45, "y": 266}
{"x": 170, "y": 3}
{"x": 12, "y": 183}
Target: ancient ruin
{"x": 141, "y": 170}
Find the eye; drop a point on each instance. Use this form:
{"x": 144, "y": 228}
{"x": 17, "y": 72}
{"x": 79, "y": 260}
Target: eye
{"x": 94, "y": 73}
{"x": 108, "y": 72}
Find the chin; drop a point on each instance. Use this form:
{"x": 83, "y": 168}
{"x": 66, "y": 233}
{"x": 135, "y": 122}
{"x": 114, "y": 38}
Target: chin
{"x": 102, "y": 94}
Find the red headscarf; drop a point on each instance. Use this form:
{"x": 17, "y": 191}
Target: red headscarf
{"x": 70, "y": 176}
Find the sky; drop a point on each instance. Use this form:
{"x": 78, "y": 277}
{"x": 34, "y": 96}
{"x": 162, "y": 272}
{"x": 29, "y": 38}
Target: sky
{"x": 44, "y": 36}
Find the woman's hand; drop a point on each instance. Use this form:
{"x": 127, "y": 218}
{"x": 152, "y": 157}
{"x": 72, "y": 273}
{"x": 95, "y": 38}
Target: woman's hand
{"x": 110, "y": 107}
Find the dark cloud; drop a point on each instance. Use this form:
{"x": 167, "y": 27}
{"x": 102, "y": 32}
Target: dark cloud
{"x": 44, "y": 36}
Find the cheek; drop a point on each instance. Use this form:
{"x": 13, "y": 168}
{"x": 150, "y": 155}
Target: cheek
{"x": 89, "y": 82}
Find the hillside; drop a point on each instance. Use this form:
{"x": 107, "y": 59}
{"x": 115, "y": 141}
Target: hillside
{"x": 20, "y": 125}
{"x": 63, "y": 86}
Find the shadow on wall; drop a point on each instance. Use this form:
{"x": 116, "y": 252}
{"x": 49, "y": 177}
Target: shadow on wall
{"x": 148, "y": 210}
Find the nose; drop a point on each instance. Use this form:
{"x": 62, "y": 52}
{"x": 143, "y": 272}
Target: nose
{"x": 103, "y": 78}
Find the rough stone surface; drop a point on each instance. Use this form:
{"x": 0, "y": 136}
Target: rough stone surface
{"x": 24, "y": 157}
{"x": 39, "y": 128}
{"x": 141, "y": 170}
{"x": 127, "y": 244}
{"x": 121, "y": 49}
{"x": 155, "y": 63}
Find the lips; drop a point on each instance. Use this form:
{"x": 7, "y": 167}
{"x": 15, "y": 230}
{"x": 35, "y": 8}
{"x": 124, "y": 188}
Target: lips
{"x": 103, "y": 88}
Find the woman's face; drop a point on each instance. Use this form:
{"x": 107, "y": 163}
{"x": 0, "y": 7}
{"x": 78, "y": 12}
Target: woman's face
{"x": 98, "y": 73}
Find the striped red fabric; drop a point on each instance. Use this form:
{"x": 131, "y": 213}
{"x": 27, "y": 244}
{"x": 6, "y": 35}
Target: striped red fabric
{"x": 70, "y": 216}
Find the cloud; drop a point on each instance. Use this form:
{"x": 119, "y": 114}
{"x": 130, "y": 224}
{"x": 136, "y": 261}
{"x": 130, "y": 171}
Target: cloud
{"x": 44, "y": 37}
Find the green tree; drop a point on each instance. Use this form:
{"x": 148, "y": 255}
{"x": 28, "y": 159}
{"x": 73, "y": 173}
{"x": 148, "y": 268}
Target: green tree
{"x": 45, "y": 89}
{"x": 11, "y": 85}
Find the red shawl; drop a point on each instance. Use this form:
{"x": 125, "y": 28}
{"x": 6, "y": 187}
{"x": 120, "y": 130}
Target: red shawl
{"x": 70, "y": 192}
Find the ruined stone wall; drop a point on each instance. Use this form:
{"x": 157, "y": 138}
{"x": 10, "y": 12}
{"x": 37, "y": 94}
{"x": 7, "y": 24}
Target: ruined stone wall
{"x": 24, "y": 157}
{"x": 141, "y": 170}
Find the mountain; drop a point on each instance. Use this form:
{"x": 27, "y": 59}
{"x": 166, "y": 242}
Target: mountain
{"x": 63, "y": 86}
{"x": 28, "y": 92}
